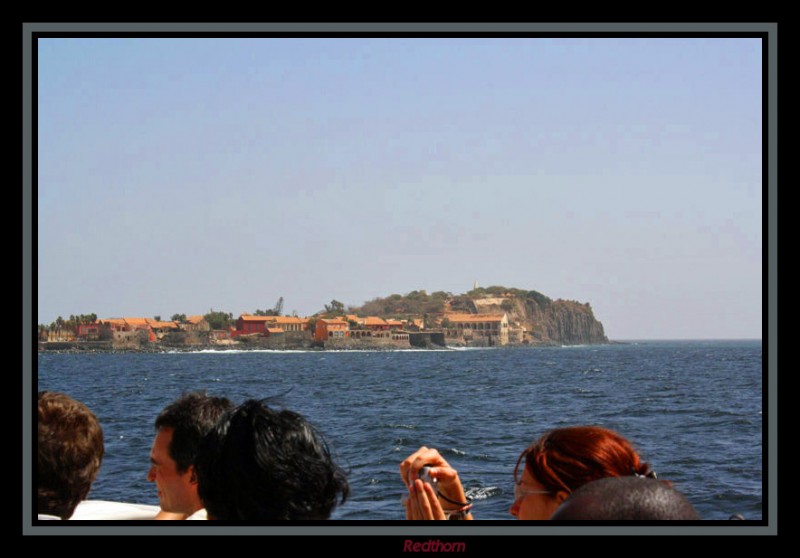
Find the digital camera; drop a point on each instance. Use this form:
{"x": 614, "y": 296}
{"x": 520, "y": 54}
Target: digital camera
{"x": 425, "y": 476}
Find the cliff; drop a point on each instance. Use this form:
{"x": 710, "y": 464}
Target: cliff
{"x": 547, "y": 322}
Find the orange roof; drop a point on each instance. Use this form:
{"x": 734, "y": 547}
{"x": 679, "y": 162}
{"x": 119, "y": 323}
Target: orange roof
{"x": 275, "y": 329}
{"x": 195, "y": 319}
{"x": 251, "y": 318}
{"x": 161, "y": 325}
{"x": 333, "y": 321}
{"x": 394, "y": 322}
{"x": 373, "y": 320}
{"x": 474, "y": 317}
{"x": 125, "y": 322}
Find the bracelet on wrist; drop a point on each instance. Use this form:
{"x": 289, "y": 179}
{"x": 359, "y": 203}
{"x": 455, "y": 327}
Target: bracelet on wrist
{"x": 460, "y": 513}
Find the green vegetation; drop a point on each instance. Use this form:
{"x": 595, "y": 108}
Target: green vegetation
{"x": 505, "y": 291}
{"x": 219, "y": 320}
{"x": 71, "y": 323}
{"x": 334, "y": 309}
{"x": 462, "y": 303}
{"x": 420, "y": 303}
{"x": 265, "y": 313}
{"x": 274, "y": 311}
{"x": 415, "y": 303}
{"x": 178, "y": 318}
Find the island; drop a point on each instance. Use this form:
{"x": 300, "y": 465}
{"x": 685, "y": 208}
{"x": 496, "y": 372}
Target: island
{"x": 482, "y": 317}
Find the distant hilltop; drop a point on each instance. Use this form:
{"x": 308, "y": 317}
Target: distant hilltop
{"x": 482, "y": 317}
{"x": 533, "y": 318}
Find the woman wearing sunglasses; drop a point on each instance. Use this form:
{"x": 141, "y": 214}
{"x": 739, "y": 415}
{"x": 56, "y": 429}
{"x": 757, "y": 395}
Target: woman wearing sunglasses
{"x": 546, "y": 473}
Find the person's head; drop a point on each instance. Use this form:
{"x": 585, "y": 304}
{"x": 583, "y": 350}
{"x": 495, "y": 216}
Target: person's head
{"x": 626, "y": 499}
{"x": 180, "y": 428}
{"x": 70, "y": 452}
{"x": 262, "y": 464}
{"x": 565, "y": 459}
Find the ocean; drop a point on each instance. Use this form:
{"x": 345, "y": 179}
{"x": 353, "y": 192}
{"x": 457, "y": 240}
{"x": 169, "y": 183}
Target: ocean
{"x": 693, "y": 409}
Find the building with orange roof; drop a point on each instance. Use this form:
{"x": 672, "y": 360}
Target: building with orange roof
{"x": 127, "y": 324}
{"x": 248, "y": 324}
{"x": 116, "y": 324}
{"x": 93, "y": 331}
{"x": 160, "y": 328}
{"x": 131, "y": 324}
{"x": 271, "y": 331}
{"x": 289, "y": 323}
{"x": 335, "y": 328}
{"x": 137, "y": 323}
{"x": 196, "y": 323}
{"x": 375, "y": 323}
{"x": 161, "y": 325}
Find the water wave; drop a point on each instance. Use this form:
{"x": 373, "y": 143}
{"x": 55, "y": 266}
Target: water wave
{"x": 483, "y": 492}
{"x": 455, "y": 451}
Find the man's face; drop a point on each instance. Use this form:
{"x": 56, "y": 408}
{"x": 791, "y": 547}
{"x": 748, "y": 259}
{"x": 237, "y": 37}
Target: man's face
{"x": 177, "y": 492}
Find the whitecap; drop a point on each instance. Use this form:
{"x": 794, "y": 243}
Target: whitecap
{"x": 482, "y": 493}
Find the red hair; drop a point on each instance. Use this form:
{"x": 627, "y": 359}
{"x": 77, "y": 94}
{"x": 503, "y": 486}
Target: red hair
{"x": 567, "y": 458}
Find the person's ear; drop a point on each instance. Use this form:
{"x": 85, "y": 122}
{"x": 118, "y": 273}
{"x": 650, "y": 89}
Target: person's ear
{"x": 193, "y": 475}
{"x": 561, "y": 495}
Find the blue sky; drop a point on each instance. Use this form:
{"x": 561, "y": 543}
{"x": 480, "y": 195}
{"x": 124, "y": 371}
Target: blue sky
{"x": 180, "y": 175}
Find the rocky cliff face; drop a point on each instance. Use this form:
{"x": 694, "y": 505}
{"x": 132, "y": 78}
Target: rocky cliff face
{"x": 548, "y": 322}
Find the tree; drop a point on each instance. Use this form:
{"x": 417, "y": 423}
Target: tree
{"x": 218, "y": 320}
{"x": 429, "y": 321}
{"x": 278, "y": 309}
{"x": 335, "y": 308}
{"x": 178, "y": 317}
{"x": 157, "y": 318}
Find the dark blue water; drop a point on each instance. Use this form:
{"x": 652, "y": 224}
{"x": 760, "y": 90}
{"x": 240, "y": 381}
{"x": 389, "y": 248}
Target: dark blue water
{"x": 692, "y": 408}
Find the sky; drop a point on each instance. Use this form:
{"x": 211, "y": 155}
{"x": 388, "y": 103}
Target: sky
{"x": 189, "y": 174}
